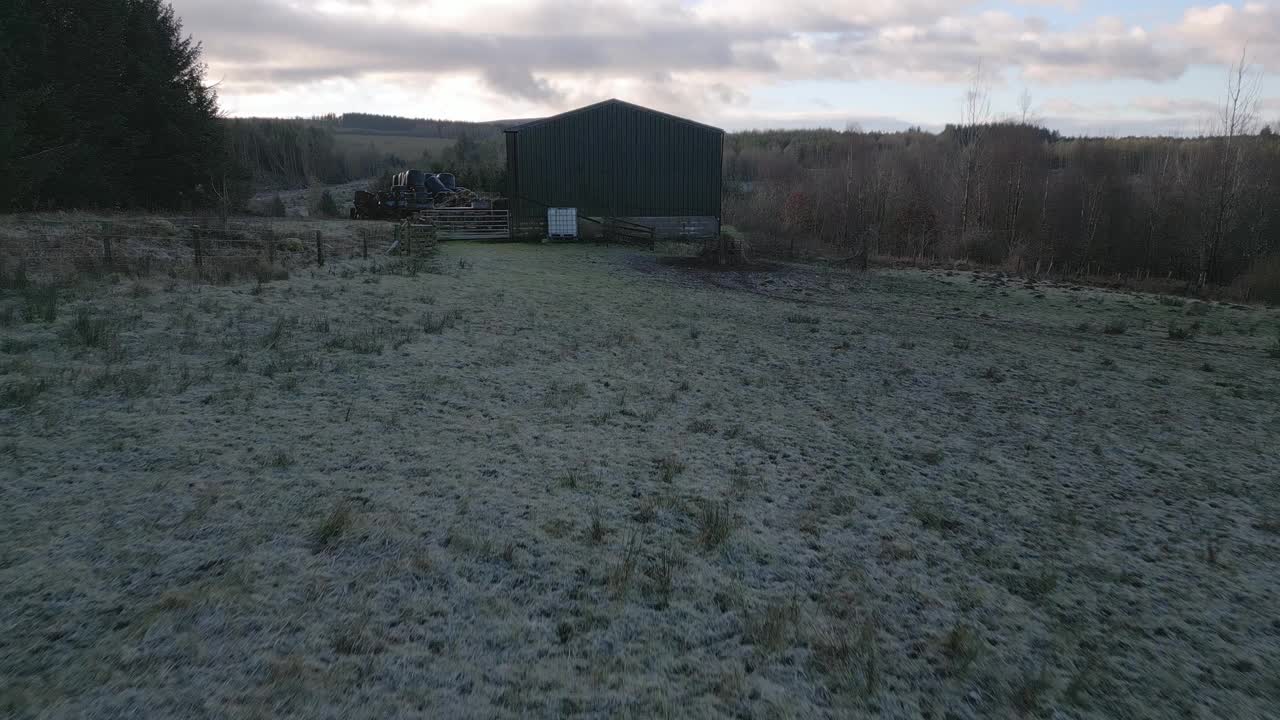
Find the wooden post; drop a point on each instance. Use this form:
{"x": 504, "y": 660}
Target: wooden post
{"x": 271, "y": 246}
{"x": 364, "y": 241}
{"x": 319, "y": 250}
{"x": 408, "y": 240}
{"x": 195, "y": 234}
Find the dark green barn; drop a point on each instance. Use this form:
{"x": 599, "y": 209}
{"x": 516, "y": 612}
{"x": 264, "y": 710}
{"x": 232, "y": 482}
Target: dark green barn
{"x": 617, "y": 160}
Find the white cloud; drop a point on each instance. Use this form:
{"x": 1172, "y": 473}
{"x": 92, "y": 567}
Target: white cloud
{"x": 1219, "y": 33}
{"x": 703, "y": 59}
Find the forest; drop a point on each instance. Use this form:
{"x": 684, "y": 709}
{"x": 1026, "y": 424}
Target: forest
{"x": 104, "y": 104}
{"x": 277, "y": 153}
{"x": 1179, "y": 213}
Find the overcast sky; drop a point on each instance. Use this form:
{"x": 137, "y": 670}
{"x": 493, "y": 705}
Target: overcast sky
{"x": 1103, "y": 67}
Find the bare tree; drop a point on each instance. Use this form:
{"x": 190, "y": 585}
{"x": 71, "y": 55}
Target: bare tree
{"x": 1237, "y": 119}
{"x": 975, "y": 114}
{"x": 1024, "y": 107}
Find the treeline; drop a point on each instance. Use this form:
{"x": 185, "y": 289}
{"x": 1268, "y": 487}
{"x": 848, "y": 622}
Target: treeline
{"x": 1205, "y": 210}
{"x": 291, "y": 153}
{"x": 417, "y": 127}
{"x": 480, "y": 165}
{"x": 103, "y": 104}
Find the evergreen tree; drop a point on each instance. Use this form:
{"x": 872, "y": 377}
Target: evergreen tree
{"x": 103, "y": 104}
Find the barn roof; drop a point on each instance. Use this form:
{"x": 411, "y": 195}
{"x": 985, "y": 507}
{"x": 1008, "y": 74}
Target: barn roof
{"x": 606, "y": 103}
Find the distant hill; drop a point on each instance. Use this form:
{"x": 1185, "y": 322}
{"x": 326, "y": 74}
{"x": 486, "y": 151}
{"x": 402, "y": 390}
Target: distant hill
{"x": 367, "y": 123}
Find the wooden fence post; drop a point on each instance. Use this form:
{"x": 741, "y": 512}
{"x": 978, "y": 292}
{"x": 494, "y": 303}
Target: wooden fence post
{"x": 199, "y": 259}
{"x": 319, "y": 250}
{"x": 364, "y": 239}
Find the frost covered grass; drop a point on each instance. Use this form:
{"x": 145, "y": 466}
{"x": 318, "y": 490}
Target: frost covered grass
{"x": 565, "y": 480}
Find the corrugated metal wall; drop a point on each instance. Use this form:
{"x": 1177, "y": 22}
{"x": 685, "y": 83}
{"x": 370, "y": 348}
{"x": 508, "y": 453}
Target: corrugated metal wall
{"x": 615, "y": 159}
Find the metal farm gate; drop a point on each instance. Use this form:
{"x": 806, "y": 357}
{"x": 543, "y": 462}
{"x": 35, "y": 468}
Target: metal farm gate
{"x": 467, "y": 223}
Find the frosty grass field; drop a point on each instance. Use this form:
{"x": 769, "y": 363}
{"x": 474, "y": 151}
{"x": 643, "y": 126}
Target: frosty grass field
{"x": 520, "y": 480}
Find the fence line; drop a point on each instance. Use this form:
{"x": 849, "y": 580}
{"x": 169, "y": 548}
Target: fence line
{"x": 52, "y": 248}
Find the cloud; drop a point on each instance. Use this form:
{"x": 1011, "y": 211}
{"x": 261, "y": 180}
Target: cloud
{"x": 1221, "y": 32}
{"x": 521, "y": 84}
{"x": 703, "y": 58}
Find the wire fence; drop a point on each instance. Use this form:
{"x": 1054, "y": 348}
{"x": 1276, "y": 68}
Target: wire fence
{"x": 201, "y": 246}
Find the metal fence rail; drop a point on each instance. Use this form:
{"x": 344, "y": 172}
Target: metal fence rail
{"x": 468, "y": 223}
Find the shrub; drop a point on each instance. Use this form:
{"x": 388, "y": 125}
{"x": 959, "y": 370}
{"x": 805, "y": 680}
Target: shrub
{"x": 277, "y": 208}
{"x": 1178, "y": 332}
{"x": 1116, "y": 327}
{"x": 326, "y": 206}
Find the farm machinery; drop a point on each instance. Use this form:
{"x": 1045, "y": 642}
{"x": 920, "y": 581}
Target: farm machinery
{"x": 413, "y": 191}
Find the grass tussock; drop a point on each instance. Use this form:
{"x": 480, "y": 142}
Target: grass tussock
{"x": 961, "y": 647}
{"x": 89, "y": 331}
{"x": 124, "y": 381}
{"x": 331, "y": 529}
{"x": 660, "y": 577}
{"x": 21, "y": 394}
{"x": 715, "y": 525}
{"x": 361, "y": 342}
{"x": 703, "y": 426}
{"x": 40, "y": 304}
{"x": 772, "y": 628}
{"x": 1115, "y": 327}
{"x": 434, "y": 323}
{"x": 16, "y": 346}
{"x": 597, "y": 532}
{"x": 849, "y": 659}
{"x": 620, "y": 575}
{"x": 277, "y": 333}
{"x": 798, "y": 319}
{"x": 935, "y": 517}
{"x": 669, "y": 467}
